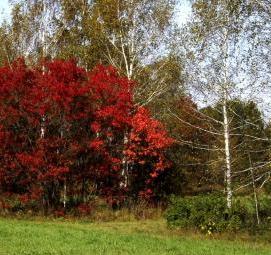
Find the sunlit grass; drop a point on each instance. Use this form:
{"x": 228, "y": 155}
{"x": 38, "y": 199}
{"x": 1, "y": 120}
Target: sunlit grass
{"x": 138, "y": 237}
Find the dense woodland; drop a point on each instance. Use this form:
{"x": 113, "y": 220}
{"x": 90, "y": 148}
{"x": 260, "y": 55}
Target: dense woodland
{"x": 114, "y": 99}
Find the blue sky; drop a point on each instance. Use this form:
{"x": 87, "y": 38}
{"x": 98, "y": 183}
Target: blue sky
{"x": 4, "y": 9}
{"x": 182, "y": 13}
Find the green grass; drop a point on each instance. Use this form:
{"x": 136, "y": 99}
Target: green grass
{"x": 23, "y": 237}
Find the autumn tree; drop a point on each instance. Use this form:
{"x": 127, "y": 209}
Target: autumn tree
{"x": 86, "y": 115}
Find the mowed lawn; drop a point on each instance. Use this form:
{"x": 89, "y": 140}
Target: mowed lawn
{"x": 22, "y": 237}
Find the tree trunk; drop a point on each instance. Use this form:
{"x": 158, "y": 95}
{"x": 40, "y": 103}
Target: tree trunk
{"x": 226, "y": 128}
{"x": 254, "y": 191}
{"x": 125, "y": 165}
{"x": 227, "y": 152}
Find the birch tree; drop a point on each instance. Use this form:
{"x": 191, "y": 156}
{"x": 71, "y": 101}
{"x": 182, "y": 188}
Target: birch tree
{"x": 216, "y": 71}
{"x": 129, "y": 35}
{"x": 31, "y": 27}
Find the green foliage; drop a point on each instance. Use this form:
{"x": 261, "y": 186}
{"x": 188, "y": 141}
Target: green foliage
{"x": 209, "y": 213}
{"x": 244, "y": 209}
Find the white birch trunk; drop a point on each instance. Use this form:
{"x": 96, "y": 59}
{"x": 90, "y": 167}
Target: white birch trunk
{"x": 226, "y": 127}
{"x": 227, "y": 153}
{"x": 42, "y": 39}
{"x": 125, "y": 165}
{"x": 254, "y": 190}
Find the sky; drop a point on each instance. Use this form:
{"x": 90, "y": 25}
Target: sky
{"x": 4, "y": 9}
{"x": 182, "y": 13}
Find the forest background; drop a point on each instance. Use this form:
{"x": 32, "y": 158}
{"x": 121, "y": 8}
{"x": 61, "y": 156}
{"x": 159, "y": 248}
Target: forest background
{"x": 194, "y": 91}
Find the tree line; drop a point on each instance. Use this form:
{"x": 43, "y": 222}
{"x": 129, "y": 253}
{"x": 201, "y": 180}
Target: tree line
{"x": 195, "y": 104}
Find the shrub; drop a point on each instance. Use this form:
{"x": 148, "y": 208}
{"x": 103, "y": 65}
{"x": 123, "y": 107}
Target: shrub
{"x": 209, "y": 213}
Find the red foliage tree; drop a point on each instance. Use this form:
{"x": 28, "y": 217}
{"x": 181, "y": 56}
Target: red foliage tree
{"x": 62, "y": 128}
{"x": 148, "y": 142}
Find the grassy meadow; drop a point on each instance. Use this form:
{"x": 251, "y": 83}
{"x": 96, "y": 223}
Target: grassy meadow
{"x": 56, "y": 237}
